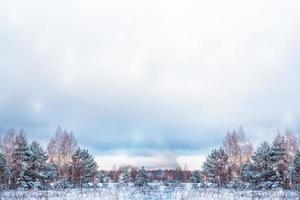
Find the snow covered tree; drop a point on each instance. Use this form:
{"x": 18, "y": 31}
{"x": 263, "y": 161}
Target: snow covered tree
{"x": 102, "y": 177}
{"x": 37, "y": 166}
{"x": 51, "y": 172}
{"x": 280, "y": 163}
{"x": 84, "y": 167}
{"x": 215, "y": 168}
{"x": 142, "y": 178}
{"x": 248, "y": 174}
{"x": 296, "y": 171}
{"x": 21, "y": 157}
{"x": 259, "y": 172}
{"x": 3, "y": 171}
{"x": 125, "y": 176}
{"x": 196, "y": 178}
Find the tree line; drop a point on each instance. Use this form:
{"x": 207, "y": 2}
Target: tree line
{"x": 64, "y": 164}
{"x": 235, "y": 164}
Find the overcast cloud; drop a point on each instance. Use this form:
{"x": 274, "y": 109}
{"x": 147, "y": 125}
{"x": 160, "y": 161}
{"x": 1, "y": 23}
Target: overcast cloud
{"x": 141, "y": 77}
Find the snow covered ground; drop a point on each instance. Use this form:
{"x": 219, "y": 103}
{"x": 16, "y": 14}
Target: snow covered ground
{"x": 155, "y": 193}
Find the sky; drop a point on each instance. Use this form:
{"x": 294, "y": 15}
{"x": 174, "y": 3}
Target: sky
{"x": 154, "y": 83}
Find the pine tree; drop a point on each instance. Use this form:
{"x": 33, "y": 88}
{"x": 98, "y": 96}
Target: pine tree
{"x": 37, "y": 168}
{"x": 259, "y": 172}
{"x": 296, "y": 170}
{"x": 279, "y": 159}
{"x": 21, "y": 157}
{"x": 215, "y": 168}
{"x": 125, "y": 176}
{"x": 84, "y": 167}
{"x": 248, "y": 174}
{"x": 196, "y": 178}
{"x": 102, "y": 177}
{"x": 3, "y": 171}
{"x": 142, "y": 178}
{"x": 51, "y": 173}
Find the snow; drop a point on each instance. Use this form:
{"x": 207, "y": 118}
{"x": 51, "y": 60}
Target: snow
{"x": 155, "y": 192}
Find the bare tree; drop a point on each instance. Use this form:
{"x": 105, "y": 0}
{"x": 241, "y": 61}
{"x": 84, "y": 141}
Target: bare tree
{"x": 291, "y": 144}
{"x": 291, "y": 149}
{"x": 8, "y": 143}
{"x": 8, "y": 148}
{"x": 60, "y": 150}
{"x": 239, "y": 150}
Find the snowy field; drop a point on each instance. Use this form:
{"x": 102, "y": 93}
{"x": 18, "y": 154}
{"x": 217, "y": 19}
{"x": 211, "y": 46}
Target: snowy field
{"x": 155, "y": 193}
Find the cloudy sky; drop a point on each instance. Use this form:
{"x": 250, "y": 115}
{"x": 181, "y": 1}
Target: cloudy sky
{"x": 153, "y": 82}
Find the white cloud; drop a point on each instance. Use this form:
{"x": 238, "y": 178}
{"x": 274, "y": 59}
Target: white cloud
{"x": 142, "y": 70}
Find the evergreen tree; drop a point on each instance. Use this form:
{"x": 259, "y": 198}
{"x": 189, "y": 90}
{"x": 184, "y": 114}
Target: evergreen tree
{"x": 37, "y": 168}
{"x": 102, "y": 177}
{"x": 84, "y": 167}
{"x": 296, "y": 170}
{"x": 259, "y": 172}
{"x": 125, "y": 176}
{"x": 248, "y": 173}
{"x": 215, "y": 168}
{"x": 142, "y": 178}
{"x": 279, "y": 159}
{"x": 21, "y": 157}
{"x": 196, "y": 178}
{"x": 51, "y": 172}
{"x": 3, "y": 171}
